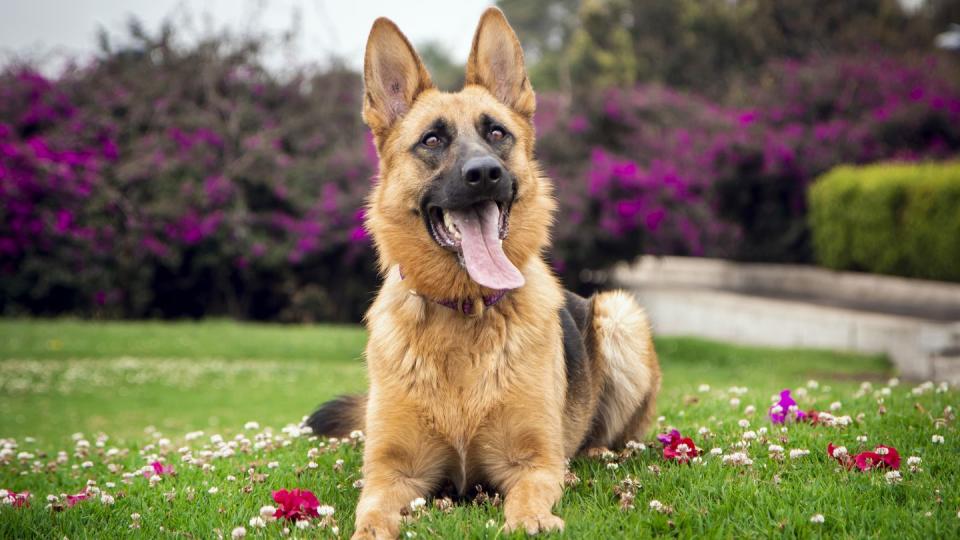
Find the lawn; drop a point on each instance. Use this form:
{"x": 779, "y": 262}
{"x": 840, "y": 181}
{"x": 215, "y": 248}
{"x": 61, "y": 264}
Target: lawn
{"x": 85, "y": 402}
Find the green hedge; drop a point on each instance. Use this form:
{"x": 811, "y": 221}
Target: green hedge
{"x": 892, "y": 218}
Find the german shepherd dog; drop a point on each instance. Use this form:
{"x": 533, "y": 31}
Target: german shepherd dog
{"x": 482, "y": 369}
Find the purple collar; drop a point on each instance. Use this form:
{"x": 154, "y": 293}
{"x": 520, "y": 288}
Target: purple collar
{"x": 465, "y": 305}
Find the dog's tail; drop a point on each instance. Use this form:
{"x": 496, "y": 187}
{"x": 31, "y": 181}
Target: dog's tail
{"x": 339, "y": 416}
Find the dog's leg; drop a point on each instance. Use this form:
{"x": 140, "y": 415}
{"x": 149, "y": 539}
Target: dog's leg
{"x": 522, "y": 455}
{"x": 401, "y": 461}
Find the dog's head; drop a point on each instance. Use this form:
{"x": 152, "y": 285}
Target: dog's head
{"x": 460, "y": 204}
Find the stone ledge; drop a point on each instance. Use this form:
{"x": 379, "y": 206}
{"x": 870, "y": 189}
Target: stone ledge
{"x": 690, "y": 297}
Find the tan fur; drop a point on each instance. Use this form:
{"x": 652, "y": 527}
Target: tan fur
{"x": 482, "y": 398}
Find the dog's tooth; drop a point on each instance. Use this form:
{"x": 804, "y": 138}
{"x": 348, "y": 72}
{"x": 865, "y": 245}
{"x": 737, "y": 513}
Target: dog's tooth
{"x": 448, "y": 223}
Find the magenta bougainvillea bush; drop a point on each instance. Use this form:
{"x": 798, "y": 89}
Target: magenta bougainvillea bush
{"x": 186, "y": 182}
{"x": 650, "y": 169}
{"x": 183, "y": 184}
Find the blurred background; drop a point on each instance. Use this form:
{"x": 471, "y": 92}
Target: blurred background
{"x": 192, "y": 159}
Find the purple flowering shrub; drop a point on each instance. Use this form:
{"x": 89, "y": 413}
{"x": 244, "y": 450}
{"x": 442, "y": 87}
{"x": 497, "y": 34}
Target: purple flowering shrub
{"x": 169, "y": 182}
{"x": 651, "y": 170}
{"x": 183, "y": 184}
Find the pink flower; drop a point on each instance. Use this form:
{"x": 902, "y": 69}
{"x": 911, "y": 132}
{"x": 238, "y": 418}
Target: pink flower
{"x": 159, "y": 469}
{"x": 296, "y": 504}
{"x": 677, "y": 447}
{"x": 17, "y": 500}
{"x": 74, "y": 499}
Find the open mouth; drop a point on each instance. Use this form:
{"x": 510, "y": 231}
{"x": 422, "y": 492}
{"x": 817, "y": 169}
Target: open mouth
{"x": 446, "y": 234}
{"x": 476, "y": 235}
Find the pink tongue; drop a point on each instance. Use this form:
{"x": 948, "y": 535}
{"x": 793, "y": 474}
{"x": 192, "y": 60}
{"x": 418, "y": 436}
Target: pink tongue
{"x": 480, "y": 241}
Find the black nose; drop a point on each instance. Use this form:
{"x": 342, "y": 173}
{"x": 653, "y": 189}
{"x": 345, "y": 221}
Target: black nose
{"x": 482, "y": 172}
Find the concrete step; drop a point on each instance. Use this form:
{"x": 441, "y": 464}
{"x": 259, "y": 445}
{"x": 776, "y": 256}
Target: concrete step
{"x": 692, "y": 301}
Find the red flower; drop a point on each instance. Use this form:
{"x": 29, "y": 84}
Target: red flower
{"x": 813, "y": 416}
{"x": 881, "y": 457}
{"x": 677, "y": 447}
{"x": 842, "y": 456}
{"x": 295, "y": 504}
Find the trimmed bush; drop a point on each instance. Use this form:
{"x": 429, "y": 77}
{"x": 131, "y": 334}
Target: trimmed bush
{"x": 891, "y": 218}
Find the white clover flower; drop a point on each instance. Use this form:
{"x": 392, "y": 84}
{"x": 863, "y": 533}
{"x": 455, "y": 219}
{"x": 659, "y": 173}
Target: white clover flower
{"x": 155, "y": 479}
{"x": 735, "y": 402}
{"x": 238, "y": 532}
{"x": 776, "y": 409}
{"x": 893, "y": 477}
{"x": 835, "y": 406}
{"x": 251, "y": 425}
{"x": 775, "y": 449}
{"x": 882, "y": 450}
{"x": 750, "y": 409}
{"x": 417, "y": 503}
{"x": 937, "y": 439}
{"x": 743, "y": 423}
{"x": 303, "y": 524}
{"x": 798, "y": 453}
{"x": 325, "y": 510}
{"x": 267, "y": 512}
{"x": 703, "y": 431}
{"x": 193, "y": 435}
{"x": 613, "y": 466}
{"x": 257, "y": 522}
{"x": 357, "y": 435}
{"x": 840, "y": 452}
{"x": 411, "y": 534}
{"x": 218, "y": 439}
{"x": 800, "y": 392}
{"x": 737, "y": 458}
{"x": 914, "y": 460}
{"x": 107, "y": 499}
{"x": 762, "y": 431}
{"x": 273, "y": 465}
{"x": 749, "y": 435}
{"x": 336, "y": 530}
{"x": 636, "y": 446}
{"x": 817, "y": 518}
{"x": 656, "y": 505}
{"x": 213, "y": 490}
{"x": 861, "y": 438}
{"x": 716, "y": 451}
{"x": 703, "y": 388}
{"x": 87, "y": 464}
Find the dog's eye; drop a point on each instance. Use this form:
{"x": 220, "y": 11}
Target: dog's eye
{"x": 430, "y": 140}
{"x": 496, "y": 134}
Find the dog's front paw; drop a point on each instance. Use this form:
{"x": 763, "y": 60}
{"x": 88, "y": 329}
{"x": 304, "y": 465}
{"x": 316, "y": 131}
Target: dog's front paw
{"x": 534, "y": 524}
{"x": 374, "y": 531}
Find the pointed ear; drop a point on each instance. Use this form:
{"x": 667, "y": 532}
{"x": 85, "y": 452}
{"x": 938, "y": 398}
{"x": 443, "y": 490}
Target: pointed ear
{"x": 496, "y": 63}
{"x": 393, "y": 77}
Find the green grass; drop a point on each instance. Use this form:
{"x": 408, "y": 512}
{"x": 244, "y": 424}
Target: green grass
{"x": 62, "y": 377}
